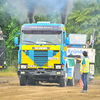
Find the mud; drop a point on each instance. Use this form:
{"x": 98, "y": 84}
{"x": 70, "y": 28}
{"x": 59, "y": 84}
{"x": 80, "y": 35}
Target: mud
{"x": 11, "y": 90}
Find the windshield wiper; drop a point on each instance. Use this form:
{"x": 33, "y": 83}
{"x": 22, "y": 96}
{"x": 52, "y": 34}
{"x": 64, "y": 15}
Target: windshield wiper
{"x": 49, "y": 42}
{"x": 30, "y": 41}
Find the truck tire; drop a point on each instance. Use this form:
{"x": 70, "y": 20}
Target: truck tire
{"x": 23, "y": 80}
{"x": 71, "y": 82}
{"x": 63, "y": 81}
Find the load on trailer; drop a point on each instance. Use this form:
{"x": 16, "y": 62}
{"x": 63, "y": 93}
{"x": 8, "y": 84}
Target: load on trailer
{"x": 2, "y": 51}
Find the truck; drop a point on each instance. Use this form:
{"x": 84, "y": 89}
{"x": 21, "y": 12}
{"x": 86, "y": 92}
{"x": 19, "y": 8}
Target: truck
{"x": 2, "y": 51}
{"x": 78, "y": 44}
{"x": 43, "y": 55}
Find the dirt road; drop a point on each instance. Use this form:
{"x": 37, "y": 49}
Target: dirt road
{"x": 11, "y": 90}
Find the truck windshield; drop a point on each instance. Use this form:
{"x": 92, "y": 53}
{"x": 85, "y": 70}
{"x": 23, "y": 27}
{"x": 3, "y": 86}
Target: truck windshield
{"x": 41, "y": 37}
{"x": 78, "y": 39}
{"x": 1, "y": 42}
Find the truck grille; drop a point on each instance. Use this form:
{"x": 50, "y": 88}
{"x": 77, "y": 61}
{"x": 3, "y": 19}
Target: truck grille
{"x": 41, "y": 58}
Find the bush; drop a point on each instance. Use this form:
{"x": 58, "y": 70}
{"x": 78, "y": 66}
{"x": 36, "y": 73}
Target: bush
{"x": 9, "y": 71}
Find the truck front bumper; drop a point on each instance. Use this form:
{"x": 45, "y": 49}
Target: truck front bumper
{"x": 41, "y": 72}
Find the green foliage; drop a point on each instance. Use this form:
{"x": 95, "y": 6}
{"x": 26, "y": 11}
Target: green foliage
{"x": 13, "y": 27}
{"x": 83, "y": 20}
{"x": 10, "y": 26}
{"x": 9, "y": 69}
{"x": 53, "y": 18}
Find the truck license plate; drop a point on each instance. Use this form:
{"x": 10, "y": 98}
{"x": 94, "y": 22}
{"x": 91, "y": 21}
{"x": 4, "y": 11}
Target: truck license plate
{"x": 58, "y": 72}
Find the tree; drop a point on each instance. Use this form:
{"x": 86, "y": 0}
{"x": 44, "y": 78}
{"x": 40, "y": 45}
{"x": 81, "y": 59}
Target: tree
{"x": 53, "y": 18}
{"x": 83, "y": 21}
{"x": 9, "y": 26}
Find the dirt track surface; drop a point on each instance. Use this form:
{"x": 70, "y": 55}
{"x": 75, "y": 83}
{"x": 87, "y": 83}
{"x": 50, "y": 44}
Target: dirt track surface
{"x": 11, "y": 90}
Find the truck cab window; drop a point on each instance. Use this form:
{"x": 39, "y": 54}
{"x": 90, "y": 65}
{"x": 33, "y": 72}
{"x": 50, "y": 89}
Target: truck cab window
{"x": 29, "y": 37}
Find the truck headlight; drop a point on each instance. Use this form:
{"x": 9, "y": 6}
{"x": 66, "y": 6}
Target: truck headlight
{"x": 23, "y": 66}
{"x": 58, "y": 67}
{"x": 4, "y": 62}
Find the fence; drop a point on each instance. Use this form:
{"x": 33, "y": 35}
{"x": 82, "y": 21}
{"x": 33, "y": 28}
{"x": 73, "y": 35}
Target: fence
{"x": 12, "y": 58}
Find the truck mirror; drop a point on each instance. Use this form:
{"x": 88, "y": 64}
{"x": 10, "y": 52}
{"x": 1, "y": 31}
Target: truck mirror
{"x": 67, "y": 41}
{"x": 16, "y": 41}
{"x": 91, "y": 40}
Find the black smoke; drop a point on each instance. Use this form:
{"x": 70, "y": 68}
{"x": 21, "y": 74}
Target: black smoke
{"x": 64, "y": 11}
{"x": 31, "y": 5}
{"x": 26, "y": 9}
{"x": 48, "y": 6}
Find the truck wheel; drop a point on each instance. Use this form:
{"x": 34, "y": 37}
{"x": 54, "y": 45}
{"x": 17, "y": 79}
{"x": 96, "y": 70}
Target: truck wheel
{"x": 22, "y": 80}
{"x": 71, "y": 82}
{"x": 63, "y": 81}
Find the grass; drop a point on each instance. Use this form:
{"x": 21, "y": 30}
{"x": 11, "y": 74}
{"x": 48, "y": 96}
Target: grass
{"x": 9, "y": 71}
{"x": 97, "y": 77}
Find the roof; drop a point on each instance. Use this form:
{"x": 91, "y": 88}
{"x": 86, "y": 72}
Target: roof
{"x": 43, "y": 26}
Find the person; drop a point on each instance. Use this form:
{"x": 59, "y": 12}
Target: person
{"x": 87, "y": 45}
{"x": 77, "y": 41}
{"x": 30, "y": 38}
{"x": 84, "y": 69}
